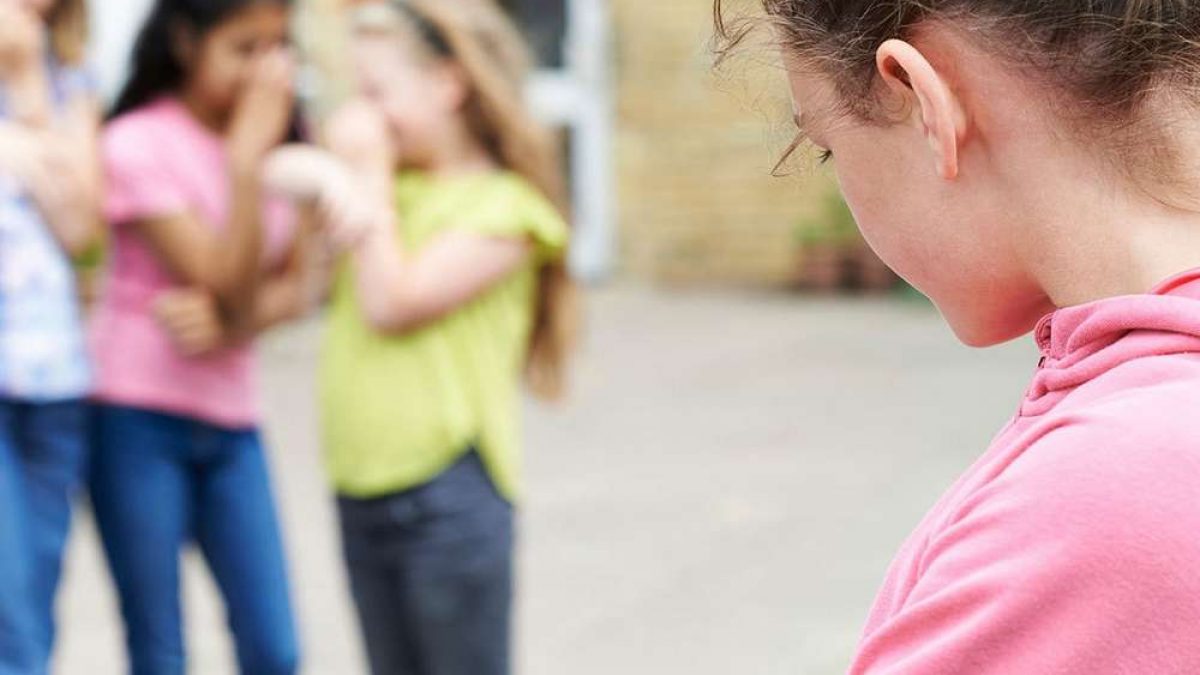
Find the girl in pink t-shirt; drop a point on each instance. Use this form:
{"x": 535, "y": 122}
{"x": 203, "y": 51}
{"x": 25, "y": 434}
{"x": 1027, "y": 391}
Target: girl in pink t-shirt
{"x": 1032, "y": 165}
{"x": 201, "y": 261}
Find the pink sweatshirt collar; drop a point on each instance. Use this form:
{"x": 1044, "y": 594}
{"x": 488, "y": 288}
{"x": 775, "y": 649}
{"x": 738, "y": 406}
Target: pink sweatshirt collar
{"x": 1081, "y": 343}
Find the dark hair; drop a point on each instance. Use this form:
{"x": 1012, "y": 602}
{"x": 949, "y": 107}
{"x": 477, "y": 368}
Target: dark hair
{"x": 155, "y": 68}
{"x": 1108, "y": 56}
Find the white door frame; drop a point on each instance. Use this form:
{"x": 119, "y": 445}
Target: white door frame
{"x": 579, "y": 97}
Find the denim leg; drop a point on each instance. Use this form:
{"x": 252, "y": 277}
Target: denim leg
{"x": 18, "y": 643}
{"x": 238, "y": 532}
{"x": 53, "y": 444}
{"x": 449, "y": 547}
{"x": 458, "y": 575}
{"x": 375, "y": 584}
{"x": 141, "y": 494}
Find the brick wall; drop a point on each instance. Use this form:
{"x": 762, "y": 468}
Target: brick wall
{"x": 694, "y": 152}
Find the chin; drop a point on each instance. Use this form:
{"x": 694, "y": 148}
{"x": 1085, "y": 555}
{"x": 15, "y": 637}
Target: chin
{"x": 979, "y": 332}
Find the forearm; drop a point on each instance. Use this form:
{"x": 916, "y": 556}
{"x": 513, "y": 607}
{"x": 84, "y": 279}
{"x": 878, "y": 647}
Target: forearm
{"x": 234, "y": 257}
{"x": 21, "y": 156}
{"x": 72, "y": 215}
{"x": 300, "y": 172}
{"x": 381, "y": 264}
{"x": 277, "y": 301}
{"x": 289, "y": 293}
{"x": 29, "y": 98}
{"x": 380, "y": 270}
{"x": 61, "y": 175}
{"x": 400, "y": 291}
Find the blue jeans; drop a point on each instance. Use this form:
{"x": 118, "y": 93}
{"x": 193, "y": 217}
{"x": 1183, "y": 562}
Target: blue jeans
{"x": 42, "y": 454}
{"x": 158, "y": 482}
{"x": 431, "y": 574}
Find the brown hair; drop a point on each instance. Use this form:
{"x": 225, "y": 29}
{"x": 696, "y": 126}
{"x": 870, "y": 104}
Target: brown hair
{"x": 68, "y": 23}
{"x": 478, "y": 37}
{"x": 1109, "y": 56}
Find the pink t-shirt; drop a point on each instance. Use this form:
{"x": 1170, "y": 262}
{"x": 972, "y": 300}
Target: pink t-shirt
{"x": 160, "y": 161}
{"x": 1073, "y": 544}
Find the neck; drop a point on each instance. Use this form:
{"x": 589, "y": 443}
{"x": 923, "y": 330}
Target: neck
{"x": 213, "y": 120}
{"x": 459, "y": 152}
{"x": 1104, "y": 243}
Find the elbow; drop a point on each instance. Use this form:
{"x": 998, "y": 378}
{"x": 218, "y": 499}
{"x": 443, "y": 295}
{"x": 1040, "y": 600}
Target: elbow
{"x": 394, "y": 322}
{"x": 401, "y": 316}
{"x": 234, "y": 286}
{"x": 238, "y": 311}
{"x": 235, "y": 298}
{"x": 79, "y": 245}
{"x": 83, "y": 238}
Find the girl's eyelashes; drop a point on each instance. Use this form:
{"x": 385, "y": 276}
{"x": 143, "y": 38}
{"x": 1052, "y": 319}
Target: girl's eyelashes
{"x": 824, "y": 156}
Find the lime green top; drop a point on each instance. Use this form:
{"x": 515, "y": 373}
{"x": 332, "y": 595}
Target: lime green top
{"x": 400, "y": 409}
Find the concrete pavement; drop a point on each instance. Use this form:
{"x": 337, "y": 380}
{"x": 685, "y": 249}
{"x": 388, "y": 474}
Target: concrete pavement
{"x": 720, "y": 496}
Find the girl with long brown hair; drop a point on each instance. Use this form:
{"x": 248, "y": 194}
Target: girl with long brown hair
{"x": 49, "y": 185}
{"x": 454, "y": 285}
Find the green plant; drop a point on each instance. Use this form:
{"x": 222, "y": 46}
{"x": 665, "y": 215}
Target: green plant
{"x": 833, "y": 224}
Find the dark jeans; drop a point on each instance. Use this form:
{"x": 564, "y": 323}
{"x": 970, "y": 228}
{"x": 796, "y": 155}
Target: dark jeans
{"x": 42, "y": 454}
{"x": 431, "y": 573}
{"x": 159, "y": 481}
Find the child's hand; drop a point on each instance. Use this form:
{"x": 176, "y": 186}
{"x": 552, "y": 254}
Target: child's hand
{"x": 22, "y": 40}
{"x": 315, "y": 176}
{"x": 191, "y": 317}
{"x": 298, "y": 171}
{"x": 264, "y": 110}
{"x": 347, "y": 212}
{"x": 358, "y": 134}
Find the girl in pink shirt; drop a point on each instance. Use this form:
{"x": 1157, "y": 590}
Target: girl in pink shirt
{"x": 201, "y": 261}
{"x": 1032, "y": 165}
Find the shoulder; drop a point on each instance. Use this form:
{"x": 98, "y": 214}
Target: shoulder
{"x": 141, "y": 127}
{"x": 1113, "y": 479}
{"x": 1076, "y": 554}
{"x": 1145, "y": 429}
{"x": 511, "y": 197}
{"x": 520, "y": 191}
{"x": 138, "y": 141}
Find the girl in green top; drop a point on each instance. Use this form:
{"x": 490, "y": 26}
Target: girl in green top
{"x": 454, "y": 287}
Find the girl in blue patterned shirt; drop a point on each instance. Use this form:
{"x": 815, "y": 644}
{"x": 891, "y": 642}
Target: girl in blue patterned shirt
{"x": 49, "y": 185}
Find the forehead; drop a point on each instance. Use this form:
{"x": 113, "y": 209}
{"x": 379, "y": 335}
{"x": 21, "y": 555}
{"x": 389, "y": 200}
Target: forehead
{"x": 259, "y": 17}
{"x": 813, "y": 97}
{"x": 381, "y": 26}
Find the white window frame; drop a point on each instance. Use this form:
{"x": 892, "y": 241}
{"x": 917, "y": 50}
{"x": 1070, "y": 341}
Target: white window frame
{"x": 579, "y": 97}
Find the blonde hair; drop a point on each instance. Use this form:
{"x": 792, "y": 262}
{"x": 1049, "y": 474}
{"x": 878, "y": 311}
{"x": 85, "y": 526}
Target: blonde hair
{"x": 494, "y": 59}
{"x": 68, "y": 23}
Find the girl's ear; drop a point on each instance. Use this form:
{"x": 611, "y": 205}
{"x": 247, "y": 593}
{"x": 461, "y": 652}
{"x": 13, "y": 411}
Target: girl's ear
{"x": 928, "y": 101}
